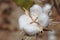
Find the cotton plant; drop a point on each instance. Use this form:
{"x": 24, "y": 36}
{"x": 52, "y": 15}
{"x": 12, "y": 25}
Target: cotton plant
{"x": 36, "y": 20}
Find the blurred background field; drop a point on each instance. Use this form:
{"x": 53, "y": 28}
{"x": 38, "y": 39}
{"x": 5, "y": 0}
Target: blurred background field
{"x": 17, "y": 9}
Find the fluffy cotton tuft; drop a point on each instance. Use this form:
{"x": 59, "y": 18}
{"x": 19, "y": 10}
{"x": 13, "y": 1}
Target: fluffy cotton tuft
{"x": 35, "y": 10}
{"x": 31, "y": 29}
{"x": 43, "y": 20}
{"x": 23, "y": 20}
{"x": 47, "y": 9}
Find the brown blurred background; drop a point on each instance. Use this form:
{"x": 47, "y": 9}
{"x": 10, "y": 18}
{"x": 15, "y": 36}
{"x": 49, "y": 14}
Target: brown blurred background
{"x": 10, "y": 10}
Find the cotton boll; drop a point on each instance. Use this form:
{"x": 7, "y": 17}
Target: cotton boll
{"x": 43, "y": 20}
{"x": 24, "y": 24}
{"x": 35, "y": 10}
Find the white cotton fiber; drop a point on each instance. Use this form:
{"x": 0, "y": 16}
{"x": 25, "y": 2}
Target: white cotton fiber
{"x": 35, "y": 10}
{"x": 43, "y": 20}
{"x": 31, "y": 29}
{"x": 47, "y": 9}
{"x": 23, "y": 20}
